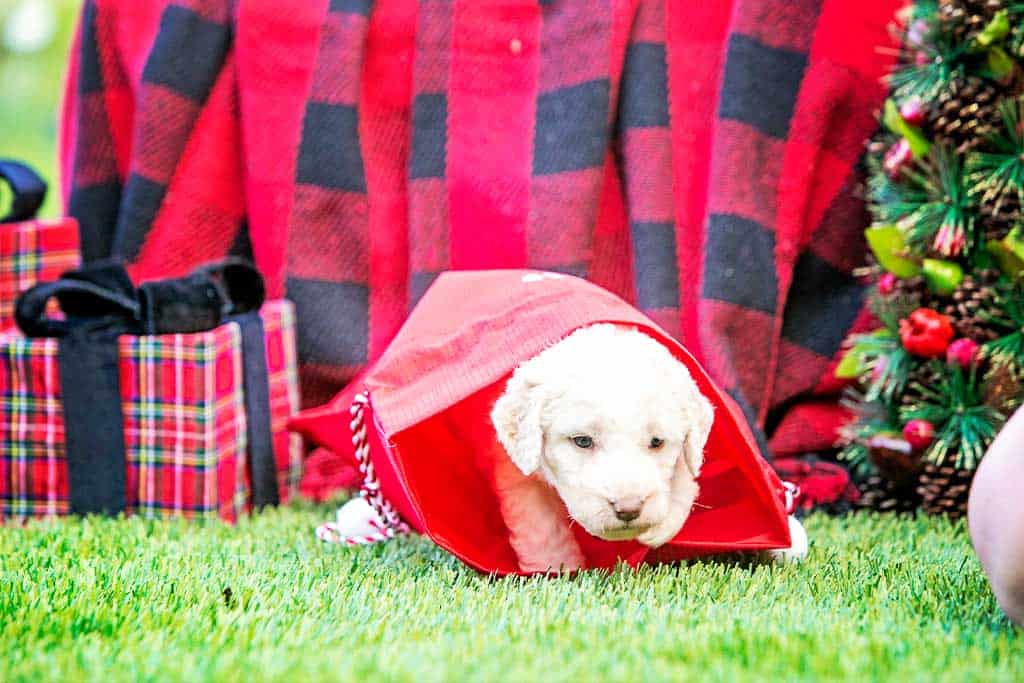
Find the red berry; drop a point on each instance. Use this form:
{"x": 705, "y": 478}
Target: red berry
{"x": 897, "y": 157}
{"x": 921, "y": 58}
{"x": 919, "y": 434}
{"x": 962, "y": 352}
{"x": 912, "y": 111}
{"x": 926, "y": 333}
{"x": 887, "y": 284}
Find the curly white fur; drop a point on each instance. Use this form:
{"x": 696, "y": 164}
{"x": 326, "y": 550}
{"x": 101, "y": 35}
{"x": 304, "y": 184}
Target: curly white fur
{"x": 611, "y": 421}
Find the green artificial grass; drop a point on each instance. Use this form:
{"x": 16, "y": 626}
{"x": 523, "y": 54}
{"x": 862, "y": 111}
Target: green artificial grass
{"x": 880, "y": 598}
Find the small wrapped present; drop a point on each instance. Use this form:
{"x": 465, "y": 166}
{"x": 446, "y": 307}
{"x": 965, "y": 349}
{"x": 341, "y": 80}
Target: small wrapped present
{"x": 31, "y": 250}
{"x": 110, "y": 410}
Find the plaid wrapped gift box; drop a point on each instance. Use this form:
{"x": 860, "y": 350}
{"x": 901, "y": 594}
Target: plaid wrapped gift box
{"x": 31, "y": 250}
{"x": 184, "y": 416}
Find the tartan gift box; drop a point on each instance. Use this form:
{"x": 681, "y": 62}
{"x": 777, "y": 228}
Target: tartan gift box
{"x": 187, "y": 436}
{"x": 31, "y": 250}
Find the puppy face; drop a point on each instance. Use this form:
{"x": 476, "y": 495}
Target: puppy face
{"x": 614, "y": 423}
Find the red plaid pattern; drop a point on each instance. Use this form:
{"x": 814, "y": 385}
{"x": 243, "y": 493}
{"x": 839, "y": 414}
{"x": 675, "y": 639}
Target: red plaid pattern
{"x": 696, "y": 158}
{"x": 33, "y": 252}
{"x": 184, "y": 415}
{"x": 283, "y": 378}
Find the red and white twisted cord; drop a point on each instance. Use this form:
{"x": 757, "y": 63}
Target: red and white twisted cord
{"x": 388, "y": 523}
{"x": 792, "y": 492}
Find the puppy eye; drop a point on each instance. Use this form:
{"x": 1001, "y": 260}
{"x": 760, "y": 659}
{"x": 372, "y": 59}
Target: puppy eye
{"x": 583, "y": 441}
{"x": 656, "y": 443}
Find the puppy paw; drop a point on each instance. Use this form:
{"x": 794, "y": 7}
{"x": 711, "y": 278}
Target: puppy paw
{"x": 798, "y": 550}
{"x": 660, "y": 534}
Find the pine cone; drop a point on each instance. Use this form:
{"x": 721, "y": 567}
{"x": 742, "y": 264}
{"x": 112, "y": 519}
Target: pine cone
{"x": 907, "y": 295}
{"x": 996, "y": 223}
{"x": 965, "y": 113}
{"x": 921, "y": 375}
{"x": 913, "y": 288}
{"x": 1003, "y": 388}
{"x": 944, "y": 488}
{"x": 976, "y": 293}
{"x": 881, "y": 495}
{"x": 964, "y": 19}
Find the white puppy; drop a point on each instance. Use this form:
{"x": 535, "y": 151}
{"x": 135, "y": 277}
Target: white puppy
{"x": 610, "y": 421}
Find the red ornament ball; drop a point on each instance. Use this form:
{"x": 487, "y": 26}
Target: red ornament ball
{"x": 912, "y": 111}
{"x": 962, "y": 352}
{"x": 887, "y": 284}
{"x": 926, "y": 333}
{"x": 919, "y": 434}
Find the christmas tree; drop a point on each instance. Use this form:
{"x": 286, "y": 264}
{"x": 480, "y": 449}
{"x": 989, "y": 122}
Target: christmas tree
{"x": 940, "y": 375}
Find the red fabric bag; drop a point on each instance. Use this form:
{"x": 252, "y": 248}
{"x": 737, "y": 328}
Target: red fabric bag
{"x": 432, "y": 449}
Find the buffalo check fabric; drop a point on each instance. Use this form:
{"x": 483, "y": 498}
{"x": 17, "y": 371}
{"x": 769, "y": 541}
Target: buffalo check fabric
{"x": 184, "y": 420}
{"x": 697, "y": 158}
{"x": 32, "y": 252}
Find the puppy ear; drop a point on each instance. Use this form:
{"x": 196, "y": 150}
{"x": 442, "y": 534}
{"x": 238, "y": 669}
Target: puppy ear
{"x": 701, "y": 418}
{"x": 697, "y": 413}
{"x": 516, "y": 418}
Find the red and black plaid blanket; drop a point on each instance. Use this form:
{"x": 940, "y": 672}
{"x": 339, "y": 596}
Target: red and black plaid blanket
{"x": 697, "y": 158}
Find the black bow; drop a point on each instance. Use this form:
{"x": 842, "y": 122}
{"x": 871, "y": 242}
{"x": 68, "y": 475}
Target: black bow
{"x": 28, "y": 188}
{"x": 100, "y": 303}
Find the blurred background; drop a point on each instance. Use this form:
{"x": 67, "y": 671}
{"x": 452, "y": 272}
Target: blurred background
{"x": 34, "y": 39}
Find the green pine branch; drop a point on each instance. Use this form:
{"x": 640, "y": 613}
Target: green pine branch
{"x": 997, "y": 174}
{"x": 885, "y": 364}
{"x": 943, "y": 59}
{"x": 891, "y": 199}
{"x": 955, "y": 405}
{"x": 924, "y": 81}
{"x": 1009, "y": 348}
{"x": 947, "y": 214}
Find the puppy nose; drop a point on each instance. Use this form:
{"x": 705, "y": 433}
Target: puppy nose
{"x": 628, "y": 509}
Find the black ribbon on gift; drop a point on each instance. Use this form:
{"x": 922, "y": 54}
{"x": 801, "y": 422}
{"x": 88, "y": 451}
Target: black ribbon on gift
{"x": 27, "y": 188}
{"x": 100, "y": 303}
